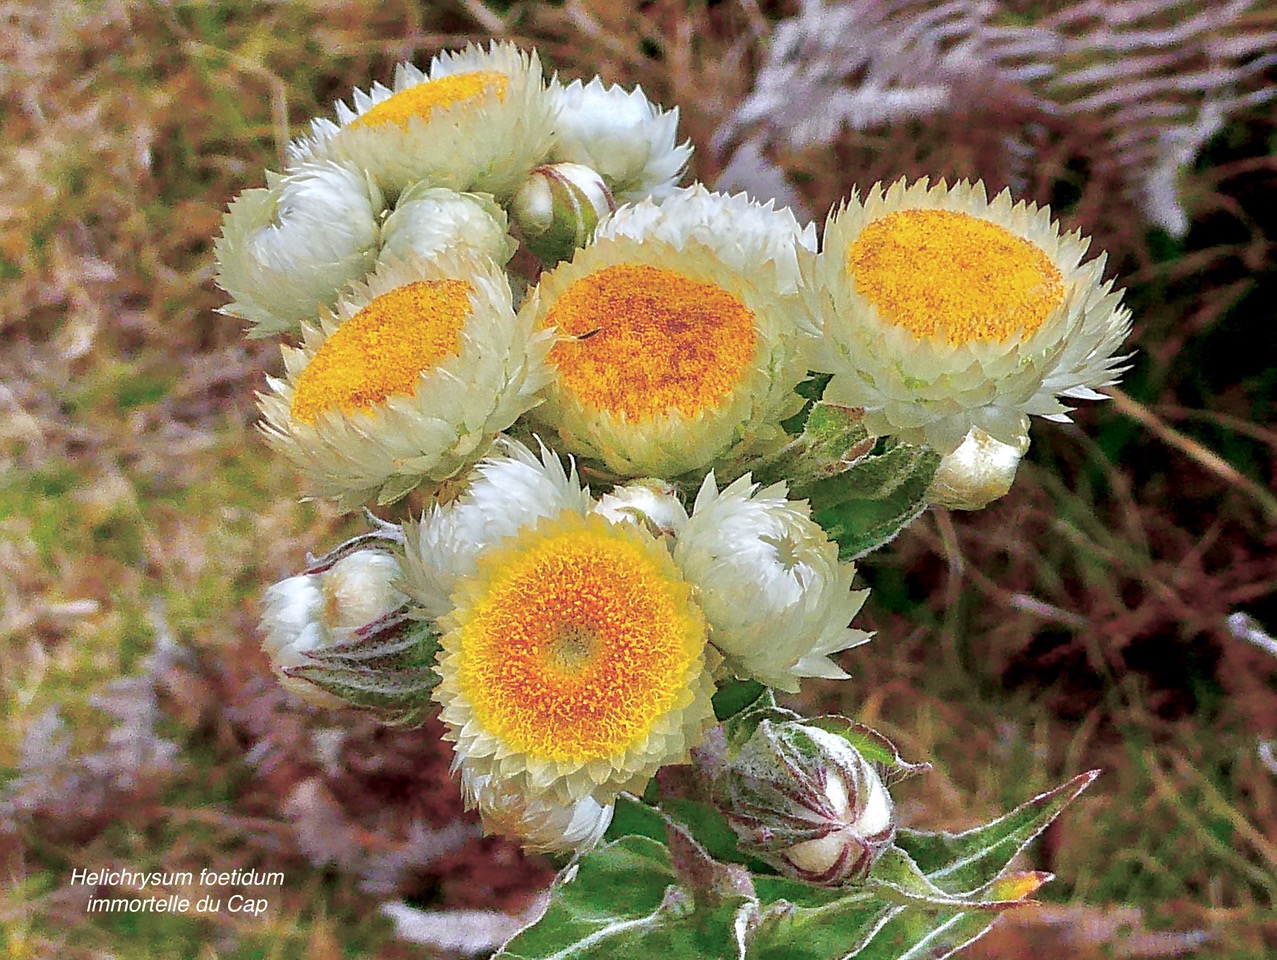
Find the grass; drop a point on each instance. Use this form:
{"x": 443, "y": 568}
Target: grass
{"x": 1081, "y": 622}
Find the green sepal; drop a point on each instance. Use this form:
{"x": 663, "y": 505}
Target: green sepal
{"x": 870, "y": 744}
{"x": 386, "y": 668}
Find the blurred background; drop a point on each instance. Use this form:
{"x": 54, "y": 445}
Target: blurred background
{"x": 1115, "y": 611}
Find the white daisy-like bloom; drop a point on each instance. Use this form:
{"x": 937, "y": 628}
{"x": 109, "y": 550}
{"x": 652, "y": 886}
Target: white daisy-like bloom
{"x": 651, "y": 502}
{"x": 980, "y": 471}
{"x": 778, "y": 600}
{"x": 574, "y": 661}
{"x": 505, "y": 492}
{"x": 408, "y": 383}
{"x": 669, "y": 360}
{"x": 314, "y": 611}
{"x": 942, "y": 311}
{"x": 745, "y": 233}
{"x": 474, "y": 120}
{"x": 288, "y": 248}
{"x": 540, "y": 822}
{"x": 625, "y": 137}
{"x": 427, "y": 220}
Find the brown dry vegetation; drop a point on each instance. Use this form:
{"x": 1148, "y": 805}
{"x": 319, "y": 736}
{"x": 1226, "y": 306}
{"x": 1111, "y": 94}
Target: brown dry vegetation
{"x": 1096, "y": 617}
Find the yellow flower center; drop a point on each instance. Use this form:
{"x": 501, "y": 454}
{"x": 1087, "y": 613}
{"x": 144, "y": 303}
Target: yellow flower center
{"x": 949, "y": 273}
{"x": 648, "y": 340}
{"x": 580, "y": 642}
{"x": 421, "y": 100}
{"x": 384, "y": 348}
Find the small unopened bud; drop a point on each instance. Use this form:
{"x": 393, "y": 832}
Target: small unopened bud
{"x": 558, "y": 207}
{"x": 804, "y": 800}
{"x": 316, "y": 611}
{"x": 653, "y": 504}
{"x": 980, "y": 471}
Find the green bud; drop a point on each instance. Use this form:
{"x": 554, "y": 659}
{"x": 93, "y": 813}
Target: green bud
{"x": 804, "y": 800}
{"x": 558, "y": 207}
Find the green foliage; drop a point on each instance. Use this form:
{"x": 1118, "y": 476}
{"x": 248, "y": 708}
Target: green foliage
{"x": 863, "y": 490}
{"x": 689, "y": 893}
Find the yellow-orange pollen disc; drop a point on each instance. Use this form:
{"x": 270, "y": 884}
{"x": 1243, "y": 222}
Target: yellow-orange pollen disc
{"x": 582, "y": 641}
{"x": 421, "y": 100}
{"x": 646, "y": 340}
{"x": 949, "y": 273}
{"x": 384, "y": 348}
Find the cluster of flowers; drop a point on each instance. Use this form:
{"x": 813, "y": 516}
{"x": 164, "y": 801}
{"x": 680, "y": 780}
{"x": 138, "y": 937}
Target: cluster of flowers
{"x": 662, "y": 345}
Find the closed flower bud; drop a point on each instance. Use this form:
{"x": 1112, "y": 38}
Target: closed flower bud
{"x": 429, "y": 219}
{"x": 315, "y": 611}
{"x": 558, "y": 208}
{"x": 980, "y": 471}
{"x": 804, "y": 800}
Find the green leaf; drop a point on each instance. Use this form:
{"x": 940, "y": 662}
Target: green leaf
{"x": 736, "y": 696}
{"x": 832, "y": 440}
{"x": 704, "y": 821}
{"x": 962, "y": 863}
{"x": 839, "y": 928}
{"x": 926, "y": 934}
{"x": 902, "y": 880}
{"x": 868, "y": 504}
{"x": 627, "y": 900}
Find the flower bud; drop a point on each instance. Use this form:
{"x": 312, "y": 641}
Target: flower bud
{"x": 541, "y": 823}
{"x": 804, "y": 800}
{"x": 653, "y": 504}
{"x": 558, "y": 208}
{"x": 427, "y": 220}
{"x": 319, "y": 610}
{"x": 978, "y": 472}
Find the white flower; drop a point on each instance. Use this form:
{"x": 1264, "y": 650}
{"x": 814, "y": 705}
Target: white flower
{"x": 669, "y": 360}
{"x": 778, "y": 601}
{"x": 504, "y": 493}
{"x": 942, "y": 311}
{"x": 622, "y": 135}
{"x": 317, "y": 610}
{"x": 980, "y": 471}
{"x": 473, "y": 120}
{"x": 428, "y": 220}
{"x": 287, "y": 249}
{"x": 410, "y": 382}
{"x": 747, "y": 235}
{"x": 540, "y": 822}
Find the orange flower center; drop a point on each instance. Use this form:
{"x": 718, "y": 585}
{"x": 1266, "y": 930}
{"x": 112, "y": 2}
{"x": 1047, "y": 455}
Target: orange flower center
{"x": 421, "y": 100}
{"x": 942, "y": 272}
{"x": 384, "y": 348}
{"x": 580, "y": 642}
{"x": 649, "y": 340}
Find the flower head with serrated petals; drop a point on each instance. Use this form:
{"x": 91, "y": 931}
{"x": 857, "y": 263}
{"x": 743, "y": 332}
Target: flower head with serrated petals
{"x": 409, "y": 382}
{"x": 942, "y": 311}
{"x": 475, "y": 119}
